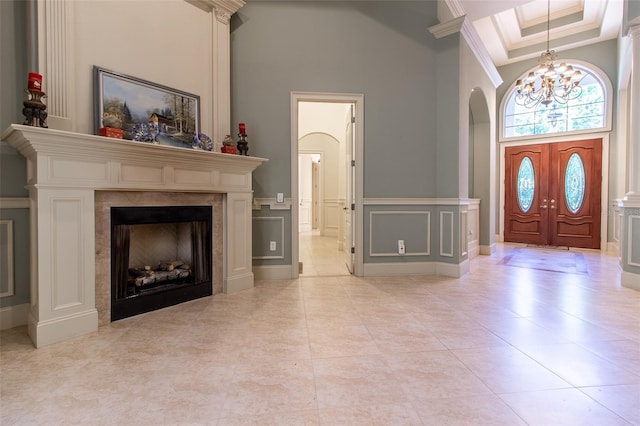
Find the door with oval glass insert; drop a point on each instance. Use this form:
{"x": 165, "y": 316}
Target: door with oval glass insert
{"x": 552, "y": 193}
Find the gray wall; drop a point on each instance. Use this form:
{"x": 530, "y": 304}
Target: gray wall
{"x": 380, "y": 49}
{"x": 13, "y": 81}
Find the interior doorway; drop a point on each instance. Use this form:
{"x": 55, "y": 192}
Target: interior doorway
{"x": 326, "y": 184}
{"x": 324, "y": 140}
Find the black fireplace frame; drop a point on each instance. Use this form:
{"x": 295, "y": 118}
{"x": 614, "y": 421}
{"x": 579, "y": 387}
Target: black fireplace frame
{"x": 128, "y": 307}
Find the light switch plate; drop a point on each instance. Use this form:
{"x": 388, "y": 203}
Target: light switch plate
{"x": 280, "y": 197}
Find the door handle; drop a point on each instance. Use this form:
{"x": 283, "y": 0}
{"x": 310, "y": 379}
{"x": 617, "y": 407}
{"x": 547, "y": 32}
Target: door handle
{"x": 544, "y": 205}
{"x": 553, "y": 204}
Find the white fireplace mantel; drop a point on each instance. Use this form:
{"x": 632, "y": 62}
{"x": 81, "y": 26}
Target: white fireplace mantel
{"x": 64, "y": 170}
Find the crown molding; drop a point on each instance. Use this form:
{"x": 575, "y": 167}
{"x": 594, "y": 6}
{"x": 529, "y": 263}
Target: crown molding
{"x": 223, "y": 8}
{"x": 447, "y": 28}
{"x": 481, "y": 53}
{"x": 464, "y": 26}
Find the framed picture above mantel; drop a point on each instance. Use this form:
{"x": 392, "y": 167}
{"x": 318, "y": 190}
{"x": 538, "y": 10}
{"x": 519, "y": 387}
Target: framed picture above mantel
{"x": 145, "y": 111}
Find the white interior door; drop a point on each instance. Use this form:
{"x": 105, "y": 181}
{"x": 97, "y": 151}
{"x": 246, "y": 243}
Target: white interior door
{"x": 304, "y": 196}
{"x": 315, "y": 195}
{"x": 348, "y": 243}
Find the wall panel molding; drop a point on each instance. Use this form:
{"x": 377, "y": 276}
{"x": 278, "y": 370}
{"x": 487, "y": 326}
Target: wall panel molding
{"x": 14, "y": 202}
{"x": 446, "y": 236}
{"x": 272, "y": 203}
{"x": 7, "y": 254}
{"x": 279, "y": 253}
{"x": 633, "y": 247}
{"x": 421, "y": 251}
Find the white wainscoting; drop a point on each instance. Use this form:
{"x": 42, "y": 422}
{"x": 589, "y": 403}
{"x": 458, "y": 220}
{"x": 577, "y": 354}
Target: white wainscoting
{"x": 332, "y": 209}
{"x": 16, "y": 315}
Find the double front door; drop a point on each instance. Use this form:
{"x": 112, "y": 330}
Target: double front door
{"x": 552, "y": 194}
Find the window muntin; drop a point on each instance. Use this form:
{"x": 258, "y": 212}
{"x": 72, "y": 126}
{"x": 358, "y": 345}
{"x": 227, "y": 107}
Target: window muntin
{"x": 586, "y": 112}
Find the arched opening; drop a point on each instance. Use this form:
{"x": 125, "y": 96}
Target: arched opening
{"x": 481, "y": 161}
{"x": 549, "y": 135}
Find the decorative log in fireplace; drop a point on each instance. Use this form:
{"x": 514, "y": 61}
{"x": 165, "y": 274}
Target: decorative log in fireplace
{"x": 145, "y": 241}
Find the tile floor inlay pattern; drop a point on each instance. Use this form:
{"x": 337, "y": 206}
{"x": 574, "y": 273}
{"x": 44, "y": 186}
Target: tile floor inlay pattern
{"x": 547, "y": 260}
{"x": 498, "y": 346}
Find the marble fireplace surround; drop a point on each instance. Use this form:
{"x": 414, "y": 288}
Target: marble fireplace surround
{"x": 73, "y": 177}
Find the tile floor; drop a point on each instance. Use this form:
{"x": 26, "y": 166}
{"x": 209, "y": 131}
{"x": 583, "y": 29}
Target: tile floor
{"x": 320, "y": 256}
{"x": 503, "y": 345}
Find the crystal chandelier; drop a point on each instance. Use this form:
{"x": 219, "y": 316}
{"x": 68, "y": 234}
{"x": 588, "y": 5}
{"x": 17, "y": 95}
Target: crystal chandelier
{"x": 549, "y": 83}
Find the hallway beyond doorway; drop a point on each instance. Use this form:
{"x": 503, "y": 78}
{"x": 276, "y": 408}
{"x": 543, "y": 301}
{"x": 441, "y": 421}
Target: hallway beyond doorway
{"x": 320, "y": 255}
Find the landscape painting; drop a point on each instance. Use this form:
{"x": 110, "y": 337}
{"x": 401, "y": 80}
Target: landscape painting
{"x": 145, "y": 111}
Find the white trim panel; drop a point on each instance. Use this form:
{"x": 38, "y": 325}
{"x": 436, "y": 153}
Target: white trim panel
{"x": 442, "y": 236}
{"x": 634, "y": 220}
{"x": 6, "y": 258}
{"x": 427, "y": 252}
{"x": 280, "y": 243}
{"x": 14, "y": 203}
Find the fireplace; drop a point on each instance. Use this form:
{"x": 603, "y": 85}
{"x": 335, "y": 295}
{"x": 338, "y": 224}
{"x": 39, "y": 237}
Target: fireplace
{"x": 160, "y": 256}
{"x": 72, "y": 177}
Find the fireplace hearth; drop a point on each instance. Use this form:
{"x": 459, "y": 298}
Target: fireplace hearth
{"x": 160, "y": 256}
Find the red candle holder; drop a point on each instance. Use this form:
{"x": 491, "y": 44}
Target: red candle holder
{"x": 34, "y": 81}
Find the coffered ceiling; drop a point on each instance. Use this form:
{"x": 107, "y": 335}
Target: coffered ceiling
{"x": 513, "y": 30}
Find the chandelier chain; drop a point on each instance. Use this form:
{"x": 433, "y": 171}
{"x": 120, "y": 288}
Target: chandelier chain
{"x": 549, "y": 83}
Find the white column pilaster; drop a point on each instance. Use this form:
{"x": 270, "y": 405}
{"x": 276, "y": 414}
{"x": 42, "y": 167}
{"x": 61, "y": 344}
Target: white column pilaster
{"x": 56, "y": 61}
{"x": 221, "y": 76}
{"x": 634, "y": 124}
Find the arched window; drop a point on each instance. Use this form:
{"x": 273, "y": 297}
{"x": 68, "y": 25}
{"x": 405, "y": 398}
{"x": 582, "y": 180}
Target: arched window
{"x": 589, "y": 111}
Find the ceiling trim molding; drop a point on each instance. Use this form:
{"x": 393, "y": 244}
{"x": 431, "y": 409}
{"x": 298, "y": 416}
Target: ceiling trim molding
{"x": 455, "y": 7}
{"x": 481, "y": 53}
{"x": 447, "y": 28}
{"x": 221, "y": 7}
{"x": 465, "y": 27}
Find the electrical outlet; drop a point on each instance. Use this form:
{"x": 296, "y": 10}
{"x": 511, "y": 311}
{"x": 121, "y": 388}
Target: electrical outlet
{"x": 272, "y": 245}
{"x": 280, "y": 197}
{"x": 401, "y": 247}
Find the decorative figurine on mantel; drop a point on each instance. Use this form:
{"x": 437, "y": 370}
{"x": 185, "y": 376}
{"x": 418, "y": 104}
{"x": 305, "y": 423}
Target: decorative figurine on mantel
{"x": 243, "y": 145}
{"x": 34, "y": 110}
{"x": 112, "y": 124}
{"x": 228, "y": 146}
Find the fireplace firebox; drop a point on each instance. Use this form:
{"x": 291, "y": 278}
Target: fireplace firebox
{"x": 160, "y": 256}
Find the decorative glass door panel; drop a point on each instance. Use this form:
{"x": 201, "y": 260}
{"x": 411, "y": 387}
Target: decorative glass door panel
{"x": 552, "y": 193}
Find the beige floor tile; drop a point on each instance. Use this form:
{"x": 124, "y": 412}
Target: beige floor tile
{"x": 579, "y": 366}
{"x": 560, "y": 407}
{"x": 505, "y": 369}
{"x": 356, "y": 381}
{"x": 434, "y": 375}
{"x": 623, "y": 400}
{"x": 499, "y": 345}
{"x": 469, "y": 411}
{"x": 270, "y": 387}
{"x": 375, "y": 415}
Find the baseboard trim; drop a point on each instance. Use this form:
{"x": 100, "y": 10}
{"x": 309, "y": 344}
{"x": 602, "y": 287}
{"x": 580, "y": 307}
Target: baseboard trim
{"x": 415, "y": 268}
{"x": 14, "y": 316}
{"x": 53, "y": 331}
{"x": 238, "y": 283}
{"x": 488, "y": 250}
{"x": 272, "y": 272}
{"x": 630, "y": 280}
